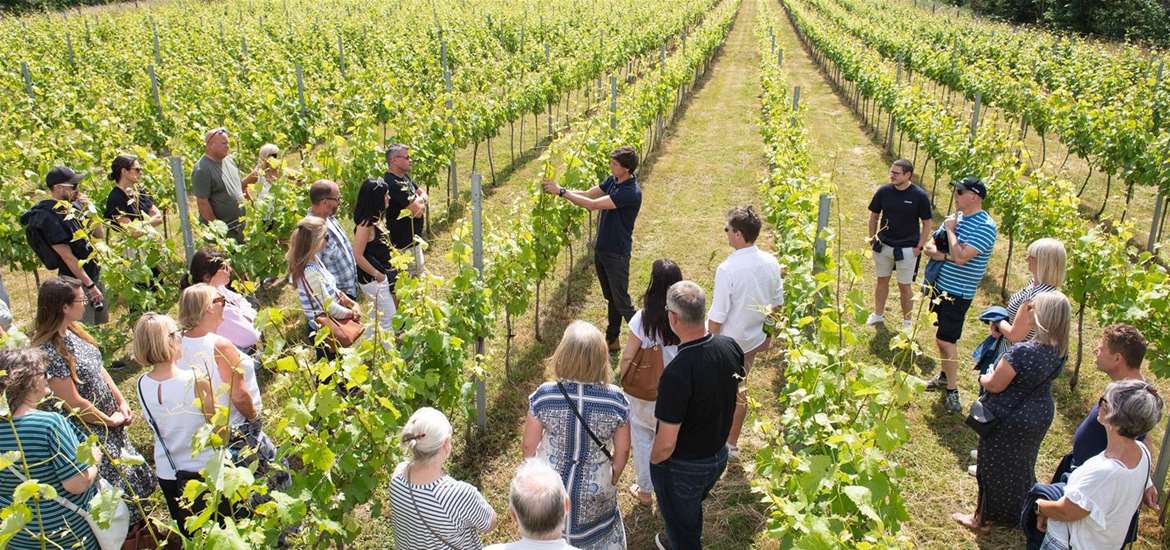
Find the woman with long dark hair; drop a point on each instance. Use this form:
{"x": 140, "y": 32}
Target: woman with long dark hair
{"x": 649, "y": 330}
{"x": 77, "y": 378}
{"x": 126, "y": 202}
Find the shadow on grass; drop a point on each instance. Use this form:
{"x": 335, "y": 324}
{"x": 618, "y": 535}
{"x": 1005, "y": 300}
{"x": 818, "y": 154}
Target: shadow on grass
{"x": 949, "y": 428}
{"x": 879, "y": 346}
{"x": 510, "y": 405}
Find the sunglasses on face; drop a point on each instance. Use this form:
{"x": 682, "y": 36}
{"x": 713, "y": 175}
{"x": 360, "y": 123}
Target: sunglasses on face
{"x": 961, "y": 192}
{"x": 135, "y": 169}
{"x": 896, "y": 173}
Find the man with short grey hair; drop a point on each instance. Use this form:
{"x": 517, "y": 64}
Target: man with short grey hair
{"x": 539, "y": 504}
{"x": 695, "y": 408}
{"x": 216, "y": 184}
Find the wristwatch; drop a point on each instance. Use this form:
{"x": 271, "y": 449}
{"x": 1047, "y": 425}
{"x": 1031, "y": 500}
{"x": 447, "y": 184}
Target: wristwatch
{"x": 561, "y": 193}
{"x": 89, "y": 286}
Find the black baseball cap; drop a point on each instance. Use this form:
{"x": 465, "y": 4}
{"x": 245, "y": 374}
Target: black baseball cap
{"x": 972, "y": 184}
{"x": 63, "y": 174}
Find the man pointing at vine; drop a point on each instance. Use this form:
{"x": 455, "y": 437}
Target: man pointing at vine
{"x": 619, "y": 199}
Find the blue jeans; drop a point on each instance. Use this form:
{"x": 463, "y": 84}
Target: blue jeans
{"x": 681, "y": 486}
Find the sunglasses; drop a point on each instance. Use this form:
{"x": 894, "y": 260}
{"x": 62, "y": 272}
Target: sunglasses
{"x": 137, "y": 169}
{"x": 219, "y": 300}
{"x": 961, "y": 192}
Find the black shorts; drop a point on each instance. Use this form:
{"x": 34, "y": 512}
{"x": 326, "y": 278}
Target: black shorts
{"x": 951, "y": 312}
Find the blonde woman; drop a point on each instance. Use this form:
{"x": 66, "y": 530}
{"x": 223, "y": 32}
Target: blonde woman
{"x": 267, "y": 170}
{"x": 177, "y": 403}
{"x": 315, "y": 285}
{"x": 1018, "y": 393}
{"x": 232, "y": 375}
{"x": 431, "y": 510}
{"x": 573, "y": 422}
{"x": 1046, "y": 267}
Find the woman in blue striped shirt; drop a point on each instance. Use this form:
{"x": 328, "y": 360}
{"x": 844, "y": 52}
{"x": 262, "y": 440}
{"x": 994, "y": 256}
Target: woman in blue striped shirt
{"x": 46, "y": 450}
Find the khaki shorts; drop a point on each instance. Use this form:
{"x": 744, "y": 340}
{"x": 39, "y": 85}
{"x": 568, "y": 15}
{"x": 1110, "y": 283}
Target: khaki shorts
{"x": 884, "y": 264}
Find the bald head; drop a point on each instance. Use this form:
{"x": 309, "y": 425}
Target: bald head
{"x": 538, "y": 500}
{"x": 215, "y": 143}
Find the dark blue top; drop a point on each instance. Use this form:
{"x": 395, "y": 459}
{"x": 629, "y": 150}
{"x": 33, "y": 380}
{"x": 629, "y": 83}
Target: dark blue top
{"x": 615, "y": 229}
{"x": 901, "y": 214}
{"x": 1089, "y": 440}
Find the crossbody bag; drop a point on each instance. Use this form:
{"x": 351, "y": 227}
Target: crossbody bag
{"x": 983, "y": 421}
{"x": 588, "y": 430}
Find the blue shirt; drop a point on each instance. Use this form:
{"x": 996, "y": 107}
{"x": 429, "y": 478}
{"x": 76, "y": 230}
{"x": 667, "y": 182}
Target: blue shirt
{"x": 979, "y": 231}
{"x": 615, "y": 228}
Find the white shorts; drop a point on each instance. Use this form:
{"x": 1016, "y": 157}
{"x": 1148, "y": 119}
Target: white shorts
{"x": 884, "y": 264}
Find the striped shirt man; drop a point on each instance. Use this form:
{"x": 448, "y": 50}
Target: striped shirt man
{"x": 977, "y": 230}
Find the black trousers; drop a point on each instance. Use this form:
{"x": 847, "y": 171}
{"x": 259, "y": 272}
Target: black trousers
{"x": 613, "y": 272}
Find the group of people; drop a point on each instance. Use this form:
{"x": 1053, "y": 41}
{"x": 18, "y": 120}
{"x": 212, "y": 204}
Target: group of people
{"x": 679, "y": 423}
{"x": 1094, "y": 497}
{"x": 197, "y": 364}
{"x": 683, "y": 366}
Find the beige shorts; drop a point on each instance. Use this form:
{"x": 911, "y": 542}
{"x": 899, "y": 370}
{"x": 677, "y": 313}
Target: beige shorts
{"x": 884, "y": 264}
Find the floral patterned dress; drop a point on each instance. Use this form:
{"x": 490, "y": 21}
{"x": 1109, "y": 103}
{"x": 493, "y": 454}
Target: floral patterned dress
{"x": 138, "y": 481}
{"x": 594, "y": 521}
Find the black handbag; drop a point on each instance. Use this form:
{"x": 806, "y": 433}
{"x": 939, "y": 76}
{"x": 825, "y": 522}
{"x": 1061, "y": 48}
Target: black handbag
{"x": 182, "y": 476}
{"x": 983, "y": 421}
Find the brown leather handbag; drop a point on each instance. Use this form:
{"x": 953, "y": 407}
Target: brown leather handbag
{"x": 641, "y": 379}
{"x": 342, "y": 333}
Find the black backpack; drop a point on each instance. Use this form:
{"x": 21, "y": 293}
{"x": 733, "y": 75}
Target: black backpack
{"x": 33, "y": 220}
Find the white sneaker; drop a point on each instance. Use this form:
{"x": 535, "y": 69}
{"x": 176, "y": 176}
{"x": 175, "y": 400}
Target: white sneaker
{"x": 875, "y": 319}
{"x": 974, "y": 454}
{"x": 971, "y": 470}
{"x": 732, "y": 452}
{"x": 907, "y": 324}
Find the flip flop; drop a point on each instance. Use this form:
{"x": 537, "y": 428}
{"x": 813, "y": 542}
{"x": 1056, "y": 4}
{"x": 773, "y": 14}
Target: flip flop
{"x": 637, "y": 493}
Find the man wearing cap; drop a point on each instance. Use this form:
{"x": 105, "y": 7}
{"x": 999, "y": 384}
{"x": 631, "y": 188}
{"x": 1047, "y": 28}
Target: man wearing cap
{"x": 618, "y": 199}
{"x": 970, "y": 234}
{"x": 219, "y": 191}
{"x": 50, "y": 227}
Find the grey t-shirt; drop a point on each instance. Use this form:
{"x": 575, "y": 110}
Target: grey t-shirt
{"x": 219, "y": 182}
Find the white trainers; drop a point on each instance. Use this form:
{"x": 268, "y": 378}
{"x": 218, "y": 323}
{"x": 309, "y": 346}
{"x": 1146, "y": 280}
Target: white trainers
{"x": 875, "y": 319}
{"x": 907, "y": 324}
{"x": 974, "y": 454}
{"x": 971, "y": 470}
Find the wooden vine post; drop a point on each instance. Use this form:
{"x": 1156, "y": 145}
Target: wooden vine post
{"x": 477, "y": 262}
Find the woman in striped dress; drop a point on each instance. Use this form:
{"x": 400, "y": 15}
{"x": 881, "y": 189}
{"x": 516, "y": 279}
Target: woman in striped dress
{"x": 49, "y": 446}
{"x": 429, "y": 509}
{"x": 572, "y": 422}
{"x": 1046, "y": 265}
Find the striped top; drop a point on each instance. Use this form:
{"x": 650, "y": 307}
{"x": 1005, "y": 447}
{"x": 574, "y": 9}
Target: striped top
{"x": 979, "y": 231}
{"x": 50, "y": 452}
{"x": 453, "y": 509}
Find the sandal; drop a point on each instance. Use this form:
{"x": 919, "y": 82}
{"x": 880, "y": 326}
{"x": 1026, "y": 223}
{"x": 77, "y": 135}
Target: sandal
{"x": 971, "y": 523}
{"x": 638, "y": 493}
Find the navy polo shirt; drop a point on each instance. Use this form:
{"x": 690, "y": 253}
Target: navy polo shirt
{"x": 615, "y": 229}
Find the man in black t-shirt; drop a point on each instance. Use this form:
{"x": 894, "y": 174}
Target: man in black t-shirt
{"x": 695, "y": 407}
{"x": 53, "y": 226}
{"x": 899, "y": 225}
{"x": 619, "y": 199}
{"x": 405, "y": 229}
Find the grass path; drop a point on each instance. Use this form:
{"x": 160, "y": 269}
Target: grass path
{"x": 936, "y": 456}
{"x": 711, "y": 160}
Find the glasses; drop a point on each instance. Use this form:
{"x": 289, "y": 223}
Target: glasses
{"x": 135, "y": 169}
{"x": 896, "y": 173}
{"x": 69, "y": 185}
{"x": 961, "y": 192}
{"x": 1102, "y": 403}
{"x": 81, "y": 301}
{"x": 337, "y": 198}
{"x": 219, "y": 300}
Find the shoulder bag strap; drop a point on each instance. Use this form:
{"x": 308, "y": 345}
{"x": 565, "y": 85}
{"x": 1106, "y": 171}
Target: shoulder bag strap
{"x": 64, "y": 502}
{"x": 154, "y": 426}
{"x": 417, "y": 512}
{"x": 593, "y": 436}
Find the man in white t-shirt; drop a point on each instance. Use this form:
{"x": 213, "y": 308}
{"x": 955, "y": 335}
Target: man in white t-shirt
{"x": 539, "y": 504}
{"x": 747, "y": 286}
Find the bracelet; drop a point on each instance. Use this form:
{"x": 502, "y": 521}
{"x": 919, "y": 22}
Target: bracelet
{"x": 89, "y": 286}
